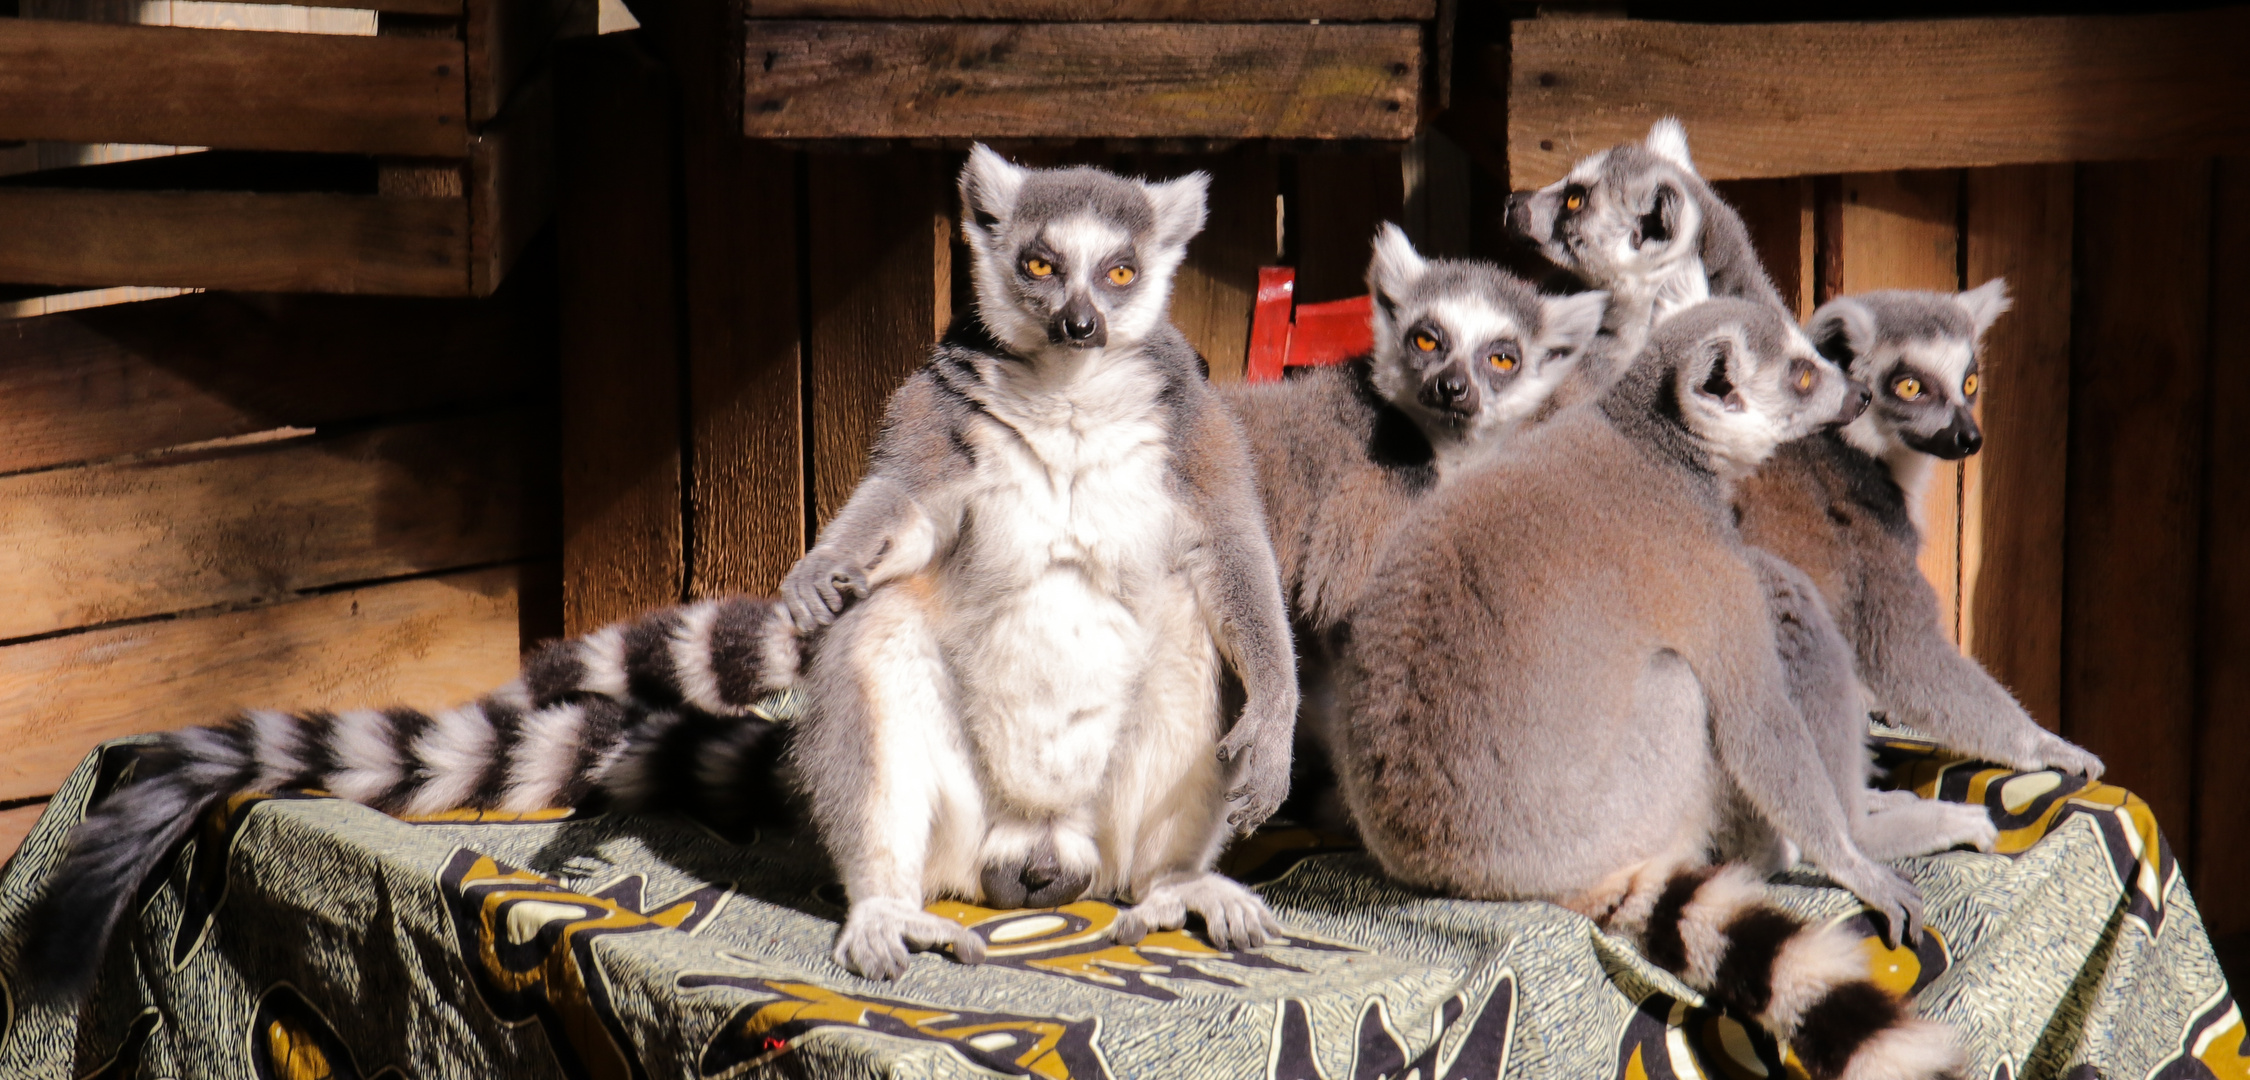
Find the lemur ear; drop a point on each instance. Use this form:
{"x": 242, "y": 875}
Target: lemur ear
{"x": 989, "y": 186}
{"x": 1843, "y": 330}
{"x": 1395, "y": 267}
{"x": 1985, "y": 303}
{"x": 1667, "y": 206}
{"x": 1571, "y": 322}
{"x": 1668, "y": 140}
{"x": 1714, "y": 381}
{"x": 1179, "y": 207}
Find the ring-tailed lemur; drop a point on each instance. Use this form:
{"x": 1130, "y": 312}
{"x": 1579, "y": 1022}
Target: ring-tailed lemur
{"x": 1557, "y": 695}
{"x": 1640, "y": 221}
{"x": 1016, "y": 632}
{"x": 1840, "y": 505}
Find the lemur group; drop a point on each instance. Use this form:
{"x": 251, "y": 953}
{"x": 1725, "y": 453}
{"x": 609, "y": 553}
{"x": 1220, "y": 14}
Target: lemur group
{"x": 1581, "y": 597}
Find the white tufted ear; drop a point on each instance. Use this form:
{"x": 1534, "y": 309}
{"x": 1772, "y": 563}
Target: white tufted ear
{"x": 1179, "y": 207}
{"x": 1842, "y": 330}
{"x": 1395, "y": 268}
{"x": 1571, "y": 321}
{"x": 989, "y": 185}
{"x": 1985, "y": 303}
{"x": 1668, "y": 140}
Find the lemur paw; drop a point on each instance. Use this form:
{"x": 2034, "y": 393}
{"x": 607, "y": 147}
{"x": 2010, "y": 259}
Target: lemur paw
{"x": 819, "y": 588}
{"x": 1234, "y": 918}
{"x": 1259, "y": 749}
{"x": 880, "y": 934}
{"x": 1890, "y": 894}
{"x": 2068, "y": 758}
{"x": 1896, "y": 829}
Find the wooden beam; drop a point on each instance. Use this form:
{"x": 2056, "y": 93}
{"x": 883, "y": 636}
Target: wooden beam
{"x": 1212, "y": 295}
{"x": 2139, "y": 349}
{"x": 100, "y": 82}
{"x": 438, "y": 8}
{"x": 1326, "y": 11}
{"x": 1779, "y": 214}
{"x": 505, "y": 41}
{"x": 107, "y": 543}
{"x": 429, "y": 643}
{"x": 283, "y": 242}
{"x": 813, "y": 80}
{"x": 622, "y": 532}
{"x": 881, "y": 294}
{"x": 1902, "y": 231}
{"x": 511, "y": 184}
{"x": 2019, "y": 227}
{"x": 1794, "y": 99}
{"x": 2222, "y": 812}
{"x": 110, "y": 381}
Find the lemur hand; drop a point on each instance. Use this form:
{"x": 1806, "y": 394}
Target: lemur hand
{"x": 1259, "y": 748}
{"x": 2063, "y": 756}
{"x": 1888, "y": 892}
{"x": 821, "y": 586}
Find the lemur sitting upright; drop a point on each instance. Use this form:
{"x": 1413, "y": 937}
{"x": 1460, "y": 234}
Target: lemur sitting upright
{"x": 1011, "y": 640}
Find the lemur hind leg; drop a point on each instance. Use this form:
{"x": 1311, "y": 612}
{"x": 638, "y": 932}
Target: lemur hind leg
{"x": 899, "y": 805}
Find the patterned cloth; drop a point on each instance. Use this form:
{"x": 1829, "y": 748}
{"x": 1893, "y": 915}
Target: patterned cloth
{"x": 302, "y": 937}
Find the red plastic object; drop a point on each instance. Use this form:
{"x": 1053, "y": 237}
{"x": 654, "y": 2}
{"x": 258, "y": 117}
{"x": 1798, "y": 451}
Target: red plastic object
{"x": 1269, "y": 324}
{"x": 1325, "y": 333}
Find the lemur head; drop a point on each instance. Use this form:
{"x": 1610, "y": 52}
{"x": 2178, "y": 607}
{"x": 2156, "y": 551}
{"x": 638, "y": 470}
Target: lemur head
{"x": 1624, "y": 217}
{"x": 1918, "y": 350}
{"x": 1070, "y": 260}
{"x": 1466, "y": 348}
{"x": 1746, "y": 380}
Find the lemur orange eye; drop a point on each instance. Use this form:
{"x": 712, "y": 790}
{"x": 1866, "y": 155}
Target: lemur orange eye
{"x": 1121, "y": 275}
{"x": 1969, "y": 385}
{"x": 1574, "y": 201}
{"x": 1038, "y": 267}
{"x": 1907, "y": 388}
{"x": 1804, "y": 379}
{"x": 1425, "y": 342}
{"x": 1502, "y": 361}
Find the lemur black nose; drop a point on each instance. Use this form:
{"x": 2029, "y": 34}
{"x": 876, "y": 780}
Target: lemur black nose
{"x": 1078, "y": 327}
{"x": 1856, "y": 398}
{"x": 1078, "y": 324}
{"x": 1968, "y": 441}
{"x": 1452, "y": 388}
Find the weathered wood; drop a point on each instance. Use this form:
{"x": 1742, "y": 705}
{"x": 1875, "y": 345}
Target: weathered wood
{"x": 16, "y": 824}
{"x": 1212, "y": 296}
{"x": 881, "y": 293}
{"x": 1103, "y": 10}
{"x": 94, "y": 82}
{"x": 112, "y": 542}
{"x": 2222, "y": 812}
{"x": 505, "y": 40}
{"x": 1779, "y": 214}
{"x": 1804, "y": 98}
{"x": 811, "y": 80}
{"x": 2019, "y": 227}
{"x": 2138, "y": 343}
{"x": 1901, "y": 231}
{"x": 622, "y": 532}
{"x": 1341, "y": 199}
{"x": 104, "y": 382}
{"x": 511, "y": 183}
{"x": 285, "y": 242}
{"x": 438, "y": 8}
{"x": 429, "y": 642}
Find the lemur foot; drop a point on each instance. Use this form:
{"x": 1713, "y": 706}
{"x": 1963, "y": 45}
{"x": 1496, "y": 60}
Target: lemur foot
{"x": 880, "y": 934}
{"x": 1899, "y": 828}
{"x": 1889, "y": 893}
{"x": 1234, "y": 918}
{"x": 2063, "y": 756}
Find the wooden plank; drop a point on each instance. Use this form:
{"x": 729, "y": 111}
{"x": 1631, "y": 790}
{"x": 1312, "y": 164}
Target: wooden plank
{"x": 2222, "y": 812}
{"x": 282, "y": 242}
{"x": 1793, "y": 99}
{"x": 15, "y": 824}
{"x": 811, "y": 80}
{"x": 113, "y": 542}
{"x": 505, "y": 41}
{"x": 622, "y": 532}
{"x": 429, "y": 643}
{"x": 1213, "y": 294}
{"x": 2138, "y": 343}
{"x": 881, "y": 293}
{"x": 1341, "y": 199}
{"x": 94, "y": 82}
{"x": 1779, "y": 214}
{"x": 439, "y": 8}
{"x": 2019, "y": 227}
{"x": 511, "y": 184}
{"x": 132, "y": 378}
{"x": 1901, "y": 231}
{"x": 1103, "y": 10}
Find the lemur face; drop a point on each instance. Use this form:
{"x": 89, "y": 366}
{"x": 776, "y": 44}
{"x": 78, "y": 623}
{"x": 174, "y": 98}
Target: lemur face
{"x": 1749, "y": 380}
{"x": 1918, "y": 350}
{"x": 1071, "y": 260}
{"x": 1463, "y": 347}
{"x": 1623, "y": 216}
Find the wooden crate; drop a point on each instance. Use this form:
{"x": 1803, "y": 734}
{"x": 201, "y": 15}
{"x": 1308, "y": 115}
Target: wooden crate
{"x": 446, "y": 104}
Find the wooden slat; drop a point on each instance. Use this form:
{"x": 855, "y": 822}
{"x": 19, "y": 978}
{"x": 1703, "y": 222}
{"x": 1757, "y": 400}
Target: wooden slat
{"x": 441, "y": 8}
{"x": 1211, "y": 297}
{"x": 1901, "y": 231}
{"x": 881, "y": 293}
{"x": 16, "y": 824}
{"x": 2222, "y": 813}
{"x": 1103, "y": 10}
{"x": 94, "y": 82}
{"x": 2138, "y": 345}
{"x": 1779, "y": 214}
{"x": 104, "y": 382}
{"x": 1341, "y": 198}
{"x": 2019, "y": 227}
{"x": 291, "y": 242}
{"x": 113, "y": 542}
{"x": 511, "y": 184}
{"x": 622, "y": 533}
{"x": 811, "y": 80}
{"x": 505, "y": 40}
{"x": 429, "y": 643}
{"x": 1805, "y": 98}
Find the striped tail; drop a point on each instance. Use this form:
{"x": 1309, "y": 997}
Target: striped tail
{"x": 653, "y": 713}
{"x": 1808, "y": 985}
